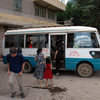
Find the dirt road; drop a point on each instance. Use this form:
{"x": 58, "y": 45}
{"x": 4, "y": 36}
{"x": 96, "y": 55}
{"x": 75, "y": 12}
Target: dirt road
{"x": 67, "y": 86}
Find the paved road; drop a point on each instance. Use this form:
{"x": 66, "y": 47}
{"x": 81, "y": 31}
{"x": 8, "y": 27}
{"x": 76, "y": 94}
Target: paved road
{"x": 67, "y": 86}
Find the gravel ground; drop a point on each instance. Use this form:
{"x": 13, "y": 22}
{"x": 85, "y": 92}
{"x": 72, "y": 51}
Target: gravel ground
{"x": 67, "y": 86}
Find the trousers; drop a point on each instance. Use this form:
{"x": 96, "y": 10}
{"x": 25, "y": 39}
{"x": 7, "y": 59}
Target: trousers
{"x": 12, "y": 76}
{"x": 58, "y": 59}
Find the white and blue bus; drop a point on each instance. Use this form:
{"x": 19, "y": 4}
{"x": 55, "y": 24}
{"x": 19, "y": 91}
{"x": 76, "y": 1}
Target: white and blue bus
{"x": 81, "y": 46}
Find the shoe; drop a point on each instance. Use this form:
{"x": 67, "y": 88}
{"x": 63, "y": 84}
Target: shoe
{"x": 13, "y": 94}
{"x": 22, "y": 95}
{"x": 57, "y": 74}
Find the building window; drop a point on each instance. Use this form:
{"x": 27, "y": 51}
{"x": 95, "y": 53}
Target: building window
{"x": 17, "y": 5}
{"x": 51, "y": 14}
{"x": 40, "y": 11}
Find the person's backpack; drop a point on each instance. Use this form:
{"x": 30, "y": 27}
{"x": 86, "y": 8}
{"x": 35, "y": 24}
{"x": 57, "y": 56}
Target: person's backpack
{"x": 8, "y": 58}
{"x": 19, "y": 50}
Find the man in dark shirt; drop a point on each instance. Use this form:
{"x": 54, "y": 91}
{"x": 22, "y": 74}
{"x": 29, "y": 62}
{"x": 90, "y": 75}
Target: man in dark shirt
{"x": 15, "y": 64}
{"x": 58, "y": 56}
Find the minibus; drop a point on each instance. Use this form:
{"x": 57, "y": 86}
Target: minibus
{"x": 81, "y": 46}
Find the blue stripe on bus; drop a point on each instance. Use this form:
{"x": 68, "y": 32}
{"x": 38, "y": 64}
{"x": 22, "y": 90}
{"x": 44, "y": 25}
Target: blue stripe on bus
{"x": 71, "y": 63}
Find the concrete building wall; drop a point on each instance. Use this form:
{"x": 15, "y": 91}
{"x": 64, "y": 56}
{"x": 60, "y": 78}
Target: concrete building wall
{"x": 1, "y": 36}
{"x": 27, "y": 6}
{"x": 28, "y": 9}
{"x": 6, "y": 4}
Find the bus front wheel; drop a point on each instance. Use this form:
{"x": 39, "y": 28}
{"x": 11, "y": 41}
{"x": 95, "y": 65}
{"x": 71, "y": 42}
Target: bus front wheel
{"x": 84, "y": 70}
{"x": 27, "y": 67}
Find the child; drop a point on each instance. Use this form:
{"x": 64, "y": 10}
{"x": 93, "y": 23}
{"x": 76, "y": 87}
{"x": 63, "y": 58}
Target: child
{"x": 48, "y": 72}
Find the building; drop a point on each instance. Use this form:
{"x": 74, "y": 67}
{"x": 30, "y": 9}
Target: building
{"x": 27, "y": 13}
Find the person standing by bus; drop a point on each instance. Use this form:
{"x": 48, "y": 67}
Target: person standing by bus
{"x": 15, "y": 64}
{"x": 58, "y": 56}
{"x": 40, "y": 66}
{"x": 48, "y": 72}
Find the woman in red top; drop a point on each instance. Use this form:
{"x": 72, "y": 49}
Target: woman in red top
{"x": 30, "y": 46}
{"x": 48, "y": 72}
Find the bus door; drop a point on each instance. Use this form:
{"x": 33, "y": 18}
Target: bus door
{"x": 57, "y": 39}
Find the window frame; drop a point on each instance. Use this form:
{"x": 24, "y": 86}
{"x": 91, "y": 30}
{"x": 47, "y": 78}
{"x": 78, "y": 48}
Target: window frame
{"x": 51, "y": 14}
{"x": 17, "y": 5}
{"x": 40, "y": 11}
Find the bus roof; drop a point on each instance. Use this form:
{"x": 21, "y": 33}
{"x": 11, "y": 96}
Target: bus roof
{"x": 64, "y": 29}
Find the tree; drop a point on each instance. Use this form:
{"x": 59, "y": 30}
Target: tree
{"x": 83, "y": 12}
{"x": 72, "y": 11}
{"x": 91, "y": 12}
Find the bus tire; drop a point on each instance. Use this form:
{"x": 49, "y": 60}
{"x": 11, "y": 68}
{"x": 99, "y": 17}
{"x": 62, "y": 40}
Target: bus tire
{"x": 85, "y": 70}
{"x": 28, "y": 67}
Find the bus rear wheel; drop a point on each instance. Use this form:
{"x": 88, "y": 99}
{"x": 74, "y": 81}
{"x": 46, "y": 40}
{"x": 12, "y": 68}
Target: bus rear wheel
{"x": 85, "y": 70}
{"x": 27, "y": 67}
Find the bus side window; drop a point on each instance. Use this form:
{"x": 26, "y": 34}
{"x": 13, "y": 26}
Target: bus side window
{"x": 14, "y": 41}
{"x": 11, "y": 44}
{"x": 37, "y": 40}
{"x": 94, "y": 40}
{"x": 82, "y": 40}
{"x": 70, "y": 40}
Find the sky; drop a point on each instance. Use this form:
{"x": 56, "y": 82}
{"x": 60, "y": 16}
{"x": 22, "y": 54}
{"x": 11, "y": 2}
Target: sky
{"x": 66, "y": 1}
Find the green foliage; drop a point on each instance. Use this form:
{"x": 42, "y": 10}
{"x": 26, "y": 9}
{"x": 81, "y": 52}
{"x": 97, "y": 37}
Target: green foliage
{"x": 72, "y": 11}
{"x": 91, "y": 12}
{"x": 83, "y": 12}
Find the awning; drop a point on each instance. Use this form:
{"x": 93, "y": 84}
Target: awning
{"x": 9, "y": 19}
{"x": 55, "y": 5}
